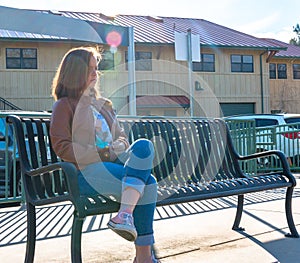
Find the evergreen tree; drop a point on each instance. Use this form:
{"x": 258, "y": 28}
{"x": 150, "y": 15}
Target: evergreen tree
{"x": 296, "y": 40}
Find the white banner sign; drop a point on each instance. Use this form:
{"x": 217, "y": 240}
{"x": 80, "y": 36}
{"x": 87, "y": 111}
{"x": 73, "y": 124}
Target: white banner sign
{"x": 181, "y": 47}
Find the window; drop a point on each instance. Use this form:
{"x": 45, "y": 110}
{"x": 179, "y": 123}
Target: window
{"x": 107, "y": 62}
{"x": 272, "y": 71}
{"x": 143, "y": 61}
{"x": 241, "y": 63}
{"x": 21, "y": 58}
{"x": 277, "y": 71}
{"x": 281, "y": 69}
{"x": 265, "y": 122}
{"x": 296, "y": 71}
{"x": 207, "y": 63}
{"x": 292, "y": 120}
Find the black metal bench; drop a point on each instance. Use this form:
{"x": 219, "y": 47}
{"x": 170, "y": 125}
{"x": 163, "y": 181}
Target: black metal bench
{"x": 195, "y": 160}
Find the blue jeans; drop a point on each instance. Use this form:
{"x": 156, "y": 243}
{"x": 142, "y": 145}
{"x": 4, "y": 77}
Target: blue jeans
{"x": 133, "y": 168}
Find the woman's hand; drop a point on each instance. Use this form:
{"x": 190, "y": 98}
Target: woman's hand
{"x": 118, "y": 147}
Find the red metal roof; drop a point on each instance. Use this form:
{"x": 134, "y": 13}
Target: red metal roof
{"x": 160, "y": 30}
{"x": 148, "y": 30}
{"x": 175, "y": 101}
{"x": 291, "y": 52}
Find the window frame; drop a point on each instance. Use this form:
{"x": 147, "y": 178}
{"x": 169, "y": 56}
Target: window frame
{"x": 141, "y": 63}
{"x": 21, "y": 60}
{"x": 281, "y": 73}
{"x": 278, "y": 71}
{"x": 205, "y": 65}
{"x": 241, "y": 65}
{"x": 107, "y": 61}
{"x": 296, "y": 72}
{"x": 272, "y": 71}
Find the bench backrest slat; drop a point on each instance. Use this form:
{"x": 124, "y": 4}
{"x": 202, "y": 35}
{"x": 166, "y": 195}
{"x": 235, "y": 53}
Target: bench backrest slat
{"x": 57, "y": 176}
{"x": 194, "y": 152}
{"x": 42, "y": 146}
{"x": 172, "y": 160}
{"x": 32, "y": 152}
{"x": 161, "y": 149}
{"x": 186, "y": 164}
{"x": 204, "y": 149}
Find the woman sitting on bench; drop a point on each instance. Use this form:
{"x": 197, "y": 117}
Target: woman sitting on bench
{"x": 84, "y": 130}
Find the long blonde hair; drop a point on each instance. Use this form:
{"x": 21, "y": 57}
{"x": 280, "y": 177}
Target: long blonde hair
{"x": 71, "y": 76}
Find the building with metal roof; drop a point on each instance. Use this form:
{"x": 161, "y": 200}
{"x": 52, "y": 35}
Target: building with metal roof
{"x": 284, "y": 76}
{"x": 232, "y": 77}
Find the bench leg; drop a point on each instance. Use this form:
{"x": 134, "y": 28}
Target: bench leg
{"x": 289, "y": 214}
{"x": 76, "y": 239}
{"x": 31, "y": 233}
{"x": 238, "y": 216}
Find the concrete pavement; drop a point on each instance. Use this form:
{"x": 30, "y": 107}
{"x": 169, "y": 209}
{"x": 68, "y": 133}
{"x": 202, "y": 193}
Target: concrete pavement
{"x": 194, "y": 232}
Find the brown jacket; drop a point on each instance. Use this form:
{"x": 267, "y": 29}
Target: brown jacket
{"x": 72, "y": 129}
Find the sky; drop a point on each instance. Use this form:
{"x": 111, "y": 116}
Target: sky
{"x": 260, "y": 18}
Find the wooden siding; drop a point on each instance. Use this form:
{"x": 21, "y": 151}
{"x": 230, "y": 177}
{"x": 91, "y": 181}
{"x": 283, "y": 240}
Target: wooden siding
{"x": 30, "y": 89}
{"x": 285, "y": 93}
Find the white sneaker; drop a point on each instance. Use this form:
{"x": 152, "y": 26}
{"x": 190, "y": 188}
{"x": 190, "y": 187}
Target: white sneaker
{"x": 126, "y": 228}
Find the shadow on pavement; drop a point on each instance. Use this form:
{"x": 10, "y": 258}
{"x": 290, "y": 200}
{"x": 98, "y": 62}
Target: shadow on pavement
{"x": 56, "y": 221}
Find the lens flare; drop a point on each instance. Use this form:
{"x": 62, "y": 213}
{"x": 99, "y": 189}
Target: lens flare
{"x": 114, "y": 39}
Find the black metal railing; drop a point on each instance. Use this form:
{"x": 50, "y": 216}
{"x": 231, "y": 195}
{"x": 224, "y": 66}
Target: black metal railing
{"x": 6, "y": 105}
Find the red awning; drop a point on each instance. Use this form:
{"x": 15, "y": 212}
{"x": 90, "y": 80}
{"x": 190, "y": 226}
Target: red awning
{"x": 162, "y": 101}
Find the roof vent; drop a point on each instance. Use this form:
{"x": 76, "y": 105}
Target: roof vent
{"x": 55, "y": 12}
{"x": 105, "y": 17}
{"x": 155, "y": 19}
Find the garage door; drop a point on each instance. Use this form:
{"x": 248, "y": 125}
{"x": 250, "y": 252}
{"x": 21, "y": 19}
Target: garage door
{"x": 228, "y": 109}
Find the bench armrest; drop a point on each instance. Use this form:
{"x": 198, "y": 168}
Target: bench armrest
{"x": 70, "y": 176}
{"x": 280, "y": 155}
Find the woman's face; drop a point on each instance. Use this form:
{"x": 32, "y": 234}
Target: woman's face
{"x": 92, "y": 73}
